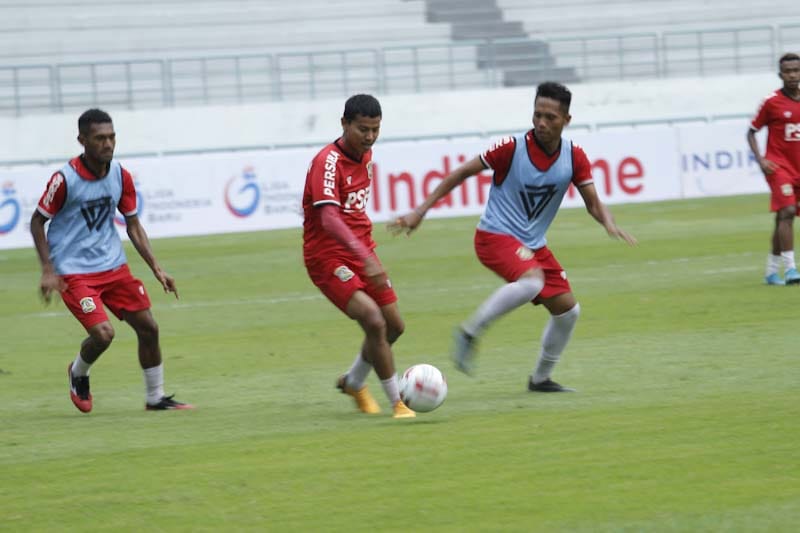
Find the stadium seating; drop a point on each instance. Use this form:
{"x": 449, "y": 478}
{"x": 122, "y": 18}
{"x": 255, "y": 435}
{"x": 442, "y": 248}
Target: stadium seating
{"x": 605, "y": 17}
{"x": 176, "y": 52}
{"x": 62, "y": 55}
{"x": 46, "y": 31}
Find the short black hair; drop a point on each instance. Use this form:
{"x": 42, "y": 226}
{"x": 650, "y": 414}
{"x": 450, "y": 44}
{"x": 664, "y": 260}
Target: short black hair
{"x": 556, "y": 91}
{"x": 788, "y": 57}
{"x": 92, "y": 116}
{"x": 365, "y": 105}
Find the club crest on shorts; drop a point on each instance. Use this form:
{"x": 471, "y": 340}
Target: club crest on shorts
{"x": 87, "y": 305}
{"x": 141, "y": 290}
{"x": 786, "y": 189}
{"x": 343, "y": 273}
{"x": 524, "y": 253}
{"x": 563, "y": 274}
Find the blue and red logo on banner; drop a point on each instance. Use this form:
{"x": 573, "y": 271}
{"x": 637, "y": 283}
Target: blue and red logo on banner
{"x": 242, "y": 193}
{"x": 9, "y": 208}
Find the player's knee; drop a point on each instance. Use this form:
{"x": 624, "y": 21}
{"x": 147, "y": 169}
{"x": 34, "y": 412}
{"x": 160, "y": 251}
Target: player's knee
{"x": 570, "y": 317}
{"x": 102, "y": 334}
{"x": 576, "y": 310}
{"x": 373, "y": 322}
{"x": 394, "y": 330}
{"x": 786, "y": 215}
{"x": 148, "y": 331}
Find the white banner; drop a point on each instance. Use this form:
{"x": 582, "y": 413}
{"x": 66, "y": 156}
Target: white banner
{"x": 244, "y": 191}
{"x": 716, "y": 160}
{"x": 220, "y": 193}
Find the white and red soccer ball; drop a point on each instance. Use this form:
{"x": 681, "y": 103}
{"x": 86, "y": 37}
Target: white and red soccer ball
{"x": 423, "y": 388}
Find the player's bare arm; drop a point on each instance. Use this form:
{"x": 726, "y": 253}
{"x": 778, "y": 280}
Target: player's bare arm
{"x": 138, "y": 237}
{"x": 767, "y": 166}
{"x": 410, "y": 221}
{"x": 601, "y": 214}
{"x": 50, "y": 280}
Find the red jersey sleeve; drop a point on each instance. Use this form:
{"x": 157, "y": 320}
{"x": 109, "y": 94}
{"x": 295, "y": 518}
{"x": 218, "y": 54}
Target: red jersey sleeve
{"x": 322, "y": 178}
{"x": 762, "y": 115}
{"x": 581, "y": 168}
{"x": 127, "y": 201}
{"x": 498, "y": 157}
{"x": 337, "y": 228}
{"x": 54, "y": 196}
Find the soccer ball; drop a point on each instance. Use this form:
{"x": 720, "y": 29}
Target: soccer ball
{"x": 423, "y": 388}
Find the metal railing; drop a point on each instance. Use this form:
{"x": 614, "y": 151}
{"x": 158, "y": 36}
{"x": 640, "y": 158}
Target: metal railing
{"x": 250, "y": 78}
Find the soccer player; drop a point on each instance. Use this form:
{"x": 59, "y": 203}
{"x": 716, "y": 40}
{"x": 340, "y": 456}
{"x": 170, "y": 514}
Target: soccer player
{"x": 82, "y": 258}
{"x": 339, "y": 252}
{"x": 532, "y": 172}
{"x": 780, "y": 113}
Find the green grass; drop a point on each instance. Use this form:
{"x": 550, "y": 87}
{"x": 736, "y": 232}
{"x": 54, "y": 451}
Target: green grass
{"x": 685, "y": 419}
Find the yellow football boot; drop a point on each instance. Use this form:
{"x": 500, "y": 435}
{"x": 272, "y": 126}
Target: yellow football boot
{"x": 364, "y": 400}
{"x": 402, "y": 411}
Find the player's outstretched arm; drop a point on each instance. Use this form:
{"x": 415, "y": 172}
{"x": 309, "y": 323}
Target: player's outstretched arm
{"x": 410, "y": 221}
{"x": 50, "y": 280}
{"x": 142, "y": 244}
{"x": 601, "y": 214}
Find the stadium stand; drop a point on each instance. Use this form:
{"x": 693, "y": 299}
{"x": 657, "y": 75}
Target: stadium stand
{"x": 177, "y": 52}
{"x": 58, "y": 56}
{"x": 45, "y": 31}
{"x": 611, "y": 39}
{"x": 522, "y": 60}
{"x": 603, "y": 17}
{"x": 657, "y": 38}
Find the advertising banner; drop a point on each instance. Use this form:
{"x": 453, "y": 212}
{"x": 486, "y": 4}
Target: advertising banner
{"x": 716, "y": 160}
{"x": 258, "y": 190}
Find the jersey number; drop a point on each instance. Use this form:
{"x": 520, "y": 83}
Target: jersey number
{"x": 536, "y": 198}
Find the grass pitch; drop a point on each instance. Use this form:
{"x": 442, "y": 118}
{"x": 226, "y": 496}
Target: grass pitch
{"x": 685, "y": 419}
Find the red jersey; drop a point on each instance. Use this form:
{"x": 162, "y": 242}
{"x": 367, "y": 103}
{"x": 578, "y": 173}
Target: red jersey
{"x": 498, "y": 157}
{"x": 781, "y": 115}
{"x": 336, "y": 178}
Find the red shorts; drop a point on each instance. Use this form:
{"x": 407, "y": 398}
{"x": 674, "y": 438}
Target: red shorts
{"x": 509, "y": 259}
{"x": 117, "y": 289}
{"x": 340, "y": 277}
{"x": 785, "y": 191}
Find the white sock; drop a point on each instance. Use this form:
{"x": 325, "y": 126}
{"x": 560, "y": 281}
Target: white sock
{"x": 358, "y": 373}
{"x": 80, "y": 367}
{"x": 773, "y": 264}
{"x": 556, "y": 335}
{"x": 788, "y": 259}
{"x": 154, "y": 383}
{"x": 508, "y": 297}
{"x": 391, "y": 389}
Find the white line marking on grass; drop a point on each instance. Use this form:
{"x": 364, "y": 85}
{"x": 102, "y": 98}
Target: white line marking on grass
{"x": 311, "y": 297}
{"x": 46, "y": 314}
{"x": 731, "y": 269}
{"x": 248, "y": 301}
{"x": 681, "y": 260}
{"x": 295, "y": 297}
